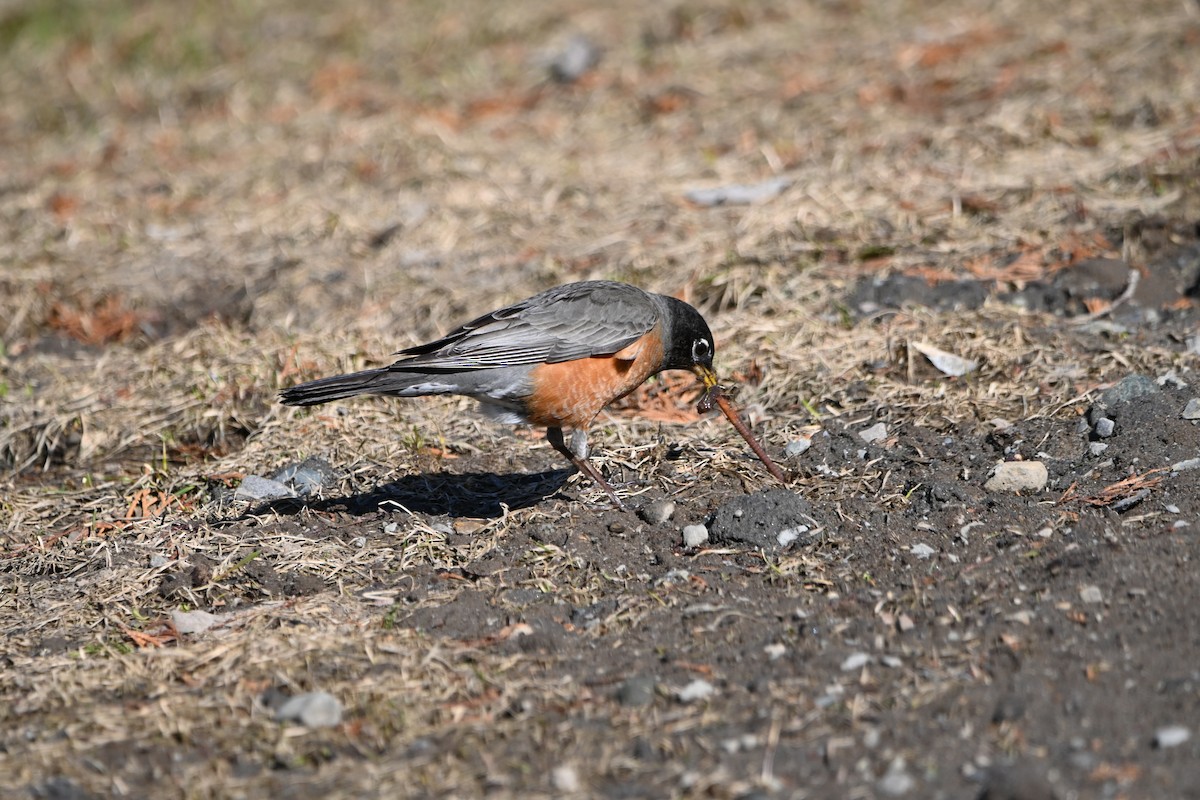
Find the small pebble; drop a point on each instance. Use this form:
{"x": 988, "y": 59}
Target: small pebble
{"x": 896, "y": 781}
{"x": 312, "y": 710}
{"x": 874, "y": 434}
{"x": 1018, "y": 476}
{"x": 1184, "y": 466}
{"x": 658, "y": 512}
{"x": 789, "y": 535}
{"x": 797, "y": 448}
{"x": 855, "y": 661}
{"x": 576, "y": 57}
{"x": 694, "y": 536}
{"x": 193, "y": 621}
{"x": 565, "y": 779}
{"x": 1105, "y": 427}
{"x": 694, "y": 691}
{"x": 737, "y": 193}
{"x": 1192, "y": 409}
{"x": 1096, "y": 448}
{"x": 1171, "y": 736}
{"x": 1091, "y": 595}
{"x": 637, "y": 690}
{"x": 921, "y": 550}
{"x": 775, "y": 651}
{"x": 1172, "y": 379}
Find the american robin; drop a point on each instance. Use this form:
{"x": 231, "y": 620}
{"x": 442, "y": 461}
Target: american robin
{"x": 555, "y": 359}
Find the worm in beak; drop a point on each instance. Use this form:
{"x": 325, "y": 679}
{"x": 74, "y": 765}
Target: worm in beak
{"x": 713, "y": 394}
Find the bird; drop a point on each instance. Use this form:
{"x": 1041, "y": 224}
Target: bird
{"x": 555, "y": 359}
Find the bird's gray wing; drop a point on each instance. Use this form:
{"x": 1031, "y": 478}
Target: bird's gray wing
{"x": 578, "y": 320}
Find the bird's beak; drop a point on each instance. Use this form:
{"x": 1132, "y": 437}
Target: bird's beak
{"x": 706, "y": 375}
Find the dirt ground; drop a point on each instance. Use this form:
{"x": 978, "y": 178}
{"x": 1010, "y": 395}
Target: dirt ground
{"x": 940, "y": 245}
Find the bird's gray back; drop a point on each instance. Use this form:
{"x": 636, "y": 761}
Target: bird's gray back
{"x": 578, "y": 320}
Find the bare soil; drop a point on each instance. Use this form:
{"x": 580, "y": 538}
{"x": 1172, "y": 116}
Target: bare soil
{"x": 200, "y": 205}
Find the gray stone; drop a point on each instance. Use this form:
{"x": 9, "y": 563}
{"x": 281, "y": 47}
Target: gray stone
{"x": 637, "y": 690}
{"x": 922, "y": 550}
{"x": 1129, "y": 388}
{"x": 312, "y": 710}
{"x": 1192, "y": 409}
{"x": 1091, "y": 595}
{"x": 259, "y": 489}
{"x": 875, "y": 434}
{"x": 1017, "y": 476}
{"x": 1105, "y": 427}
{"x": 658, "y": 512}
{"x": 797, "y": 448}
{"x": 576, "y": 57}
{"x": 308, "y": 477}
{"x": 1097, "y": 448}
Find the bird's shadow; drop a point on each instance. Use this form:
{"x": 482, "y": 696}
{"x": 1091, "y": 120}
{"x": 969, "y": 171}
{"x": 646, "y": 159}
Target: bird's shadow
{"x": 472, "y": 494}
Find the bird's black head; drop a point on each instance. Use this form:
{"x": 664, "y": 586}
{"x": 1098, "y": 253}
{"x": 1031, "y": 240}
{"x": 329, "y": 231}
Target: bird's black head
{"x": 689, "y": 342}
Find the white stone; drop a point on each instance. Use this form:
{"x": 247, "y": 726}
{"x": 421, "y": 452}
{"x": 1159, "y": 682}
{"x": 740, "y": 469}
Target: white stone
{"x": 1017, "y": 476}
{"x": 1171, "y": 736}
{"x": 855, "y": 661}
{"x": 696, "y": 690}
{"x": 694, "y": 535}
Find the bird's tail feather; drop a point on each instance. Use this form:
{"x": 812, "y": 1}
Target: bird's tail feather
{"x": 339, "y": 387}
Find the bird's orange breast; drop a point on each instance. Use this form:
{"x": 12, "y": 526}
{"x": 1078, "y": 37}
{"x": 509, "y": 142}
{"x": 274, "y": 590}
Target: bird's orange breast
{"x": 571, "y": 393}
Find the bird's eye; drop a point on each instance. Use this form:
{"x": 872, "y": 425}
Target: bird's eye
{"x": 701, "y": 350}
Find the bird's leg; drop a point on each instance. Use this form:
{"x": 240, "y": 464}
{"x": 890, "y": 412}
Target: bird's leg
{"x": 577, "y": 454}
